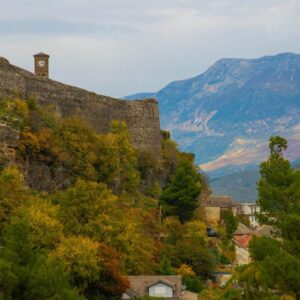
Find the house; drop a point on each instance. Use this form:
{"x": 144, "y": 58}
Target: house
{"x": 215, "y": 204}
{"x": 265, "y": 230}
{"x": 249, "y": 210}
{"x": 169, "y": 287}
{"x": 242, "y": 236}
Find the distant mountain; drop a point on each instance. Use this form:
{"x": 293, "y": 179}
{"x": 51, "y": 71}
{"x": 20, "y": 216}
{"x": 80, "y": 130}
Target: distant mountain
{"x": 241, "y": 185}
{"x": 227, "y": 114}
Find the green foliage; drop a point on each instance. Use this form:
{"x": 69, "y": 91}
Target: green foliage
{"x": 186, "y": 244}
{"x": 231, "y": 222}
{"x": 165, "y": 267}
{"x": 12, "y": 193}
{"x": 101, "y": 220}
{"x": 276, "y": 189}
{"x": 90, "y": 209}
{"x": 193, "y": 284}
{"x": 181, "y": 196}
{"x": 128, "y": 176}
{"x": 282, "y": 271}
{"x": 224, "y": 260}
{"x": 26, "y": 272}
{"x": 276, "y": 262}
{"x": 261, "y": 248}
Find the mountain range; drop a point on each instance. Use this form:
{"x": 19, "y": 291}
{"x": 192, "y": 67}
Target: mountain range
{"x": 227, "y": 114}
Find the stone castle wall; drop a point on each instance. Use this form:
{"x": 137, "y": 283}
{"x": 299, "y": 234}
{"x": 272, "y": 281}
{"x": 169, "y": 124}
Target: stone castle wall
{"x": 141, "y": 116}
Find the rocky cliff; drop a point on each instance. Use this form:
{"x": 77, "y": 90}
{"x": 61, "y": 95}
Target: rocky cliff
{"x": 142, "y": 117}
{"x": 9, "y": 139}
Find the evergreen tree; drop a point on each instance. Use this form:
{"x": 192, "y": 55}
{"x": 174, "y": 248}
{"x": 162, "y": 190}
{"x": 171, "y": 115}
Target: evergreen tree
{"x": 275, "y": 188}
{"x": 276, "y": 262}
{"x": 181, "y": 197}
{"x": 165, "y": 267}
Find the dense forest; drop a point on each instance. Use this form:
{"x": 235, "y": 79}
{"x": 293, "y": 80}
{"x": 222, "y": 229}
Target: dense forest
{"x": 107, "y": 210}
{"x": 111, "y": 211}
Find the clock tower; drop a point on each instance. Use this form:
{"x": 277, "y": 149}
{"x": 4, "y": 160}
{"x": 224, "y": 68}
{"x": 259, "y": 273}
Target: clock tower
{"x": 41, "y": 64}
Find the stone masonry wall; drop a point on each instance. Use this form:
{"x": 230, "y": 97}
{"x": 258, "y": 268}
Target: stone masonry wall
{"x": 141, "y": 116}
{"x": 9, "y": 140}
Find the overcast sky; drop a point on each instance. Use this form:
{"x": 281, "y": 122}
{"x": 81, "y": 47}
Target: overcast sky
{"x": 119, "y": 47}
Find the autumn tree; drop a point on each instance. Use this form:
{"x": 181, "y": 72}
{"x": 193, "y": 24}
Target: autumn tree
{"x": 89, "y": 209}
{"x": 12, "y": 193}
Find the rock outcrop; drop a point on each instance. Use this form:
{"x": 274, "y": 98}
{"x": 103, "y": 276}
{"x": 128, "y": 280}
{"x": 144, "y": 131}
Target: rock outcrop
{"x": 141, "y": 116}
{"x": 9, "y": 139}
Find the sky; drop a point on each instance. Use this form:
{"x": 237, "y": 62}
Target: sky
{"x": 120, "y": 47}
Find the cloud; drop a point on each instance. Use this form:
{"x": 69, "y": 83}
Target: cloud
{"x": 42, "y": 27}
{"x": 127, "y": 46}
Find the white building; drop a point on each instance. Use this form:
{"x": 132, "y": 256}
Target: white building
{"x": 249, "y": 210}
{"x": 169, "y": 287}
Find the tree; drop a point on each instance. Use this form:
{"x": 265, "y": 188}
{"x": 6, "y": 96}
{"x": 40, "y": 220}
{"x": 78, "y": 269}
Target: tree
{"x": 26, "y": 272}
{"x": 42, "y": 218}
{"x": 231, "y": 222}
{"x": 180, "y": 198}
{"x": 276, "y": 263}
{"x": 128, "y": 176}
{"x": 13, "y": 193}
{"x": 78, "y": 140}
{"x": 90, "y": 209}
{"x": 81, "y": 259}
{"x": 196, "y": 255}
{"x": 165, "y": 267}
{"x": 93, "y": 267}
{"x": 275, "y": 193}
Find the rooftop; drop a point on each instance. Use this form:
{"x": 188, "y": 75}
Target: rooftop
{"x": 265, "y": 230}
{"x": 139, "y": 284}
{"x": 222, "y": 201}
{"x": 41, "y": 54}
{"x": 243, "y": 230}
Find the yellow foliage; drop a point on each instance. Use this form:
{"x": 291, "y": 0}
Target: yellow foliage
{"x": 196, "y": 230}
{"x": 79, "y": 140}
{"x": 287, "y": 297}
{"x": 29, "y": 142}
{"x": 12, "y": 192}
{"x": 42, "y": 218}
{"x": 79, "y": 256}
{"x": 185, "y": 270}
{"x": 21, "y": 107}
{"x": 138, "y": 246}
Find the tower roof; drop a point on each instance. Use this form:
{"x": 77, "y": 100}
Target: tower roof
{"x": 41, "y": 54}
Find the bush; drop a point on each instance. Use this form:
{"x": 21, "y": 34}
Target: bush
{"x": 193, "y": 284}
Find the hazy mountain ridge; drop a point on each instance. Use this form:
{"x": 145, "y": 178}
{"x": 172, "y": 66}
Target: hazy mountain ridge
{"x": 244, "y": 99}
{"x": 227, "y": 114}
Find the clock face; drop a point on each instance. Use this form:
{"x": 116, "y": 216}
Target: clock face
{"x": 41, "y": 63}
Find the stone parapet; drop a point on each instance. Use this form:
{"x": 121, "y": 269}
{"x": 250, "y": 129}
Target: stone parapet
{"x": 141, "y": 116}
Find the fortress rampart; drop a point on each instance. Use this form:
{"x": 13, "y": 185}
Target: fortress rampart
{"x": 141, "y": 116}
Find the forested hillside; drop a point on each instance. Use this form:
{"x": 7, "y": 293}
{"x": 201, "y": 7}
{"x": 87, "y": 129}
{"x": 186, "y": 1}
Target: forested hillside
{"x": 77, "y": 231}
